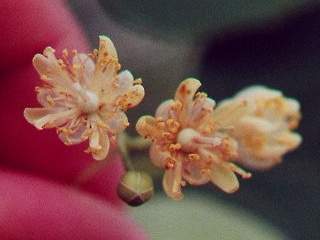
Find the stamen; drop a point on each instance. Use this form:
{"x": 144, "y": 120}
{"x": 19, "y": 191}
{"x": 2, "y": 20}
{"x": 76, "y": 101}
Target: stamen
{"x": 194, "y": 157}
{"x": 171, "y": 162}
{"x": 173, "y": 126}
{"x": 137, "y": 81}
{"x": 174, "y": 147}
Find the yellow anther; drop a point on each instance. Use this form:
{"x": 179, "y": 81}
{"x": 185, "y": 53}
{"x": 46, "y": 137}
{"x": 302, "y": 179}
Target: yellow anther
{"x": 161, "y": 125}
{"x": 174, "y": 147}
{"x": 173, "y": 125}
{"x": 176, "y": 105}
{"x": 50, "y": 100}
{"x": 171, "y": 162}
{"x": 193, "y": 157}
{"x": 65, "y": 52}
{"x": 137, "y": 81}
{"x": 167, "y": 135}
{"x": 201, "y": 95}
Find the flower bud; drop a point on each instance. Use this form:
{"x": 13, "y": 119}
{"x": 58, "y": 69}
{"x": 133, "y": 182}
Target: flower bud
{"x": 135, "y": 188}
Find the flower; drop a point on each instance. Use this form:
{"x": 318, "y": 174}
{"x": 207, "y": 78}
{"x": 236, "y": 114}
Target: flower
{"x": 189, "y": 144}
{"x": 264, "y": 133}
{"x": 84, "y": 96}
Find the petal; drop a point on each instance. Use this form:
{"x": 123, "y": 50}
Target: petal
{"x": 107, "y": 66}
{"x": 201, "y": 111}
{"x": 74, "y": 132}
{"x": 131, "y": 98}
{"x": 250, "y": 161}
{"x": 228, "y": 112}
{"x": 165, "y": 110}
{"x": 49, "y": 118}
{"x": 147, "y": 127}
{"x": 106, "y": 47}
{"x": 172, "y": 181}
{"x": 292, "y": 115}
{"x": 50, "y": 97}
{"x": 193, "y": 173}
{"x": 50, "y": 71}
{"x": 262, "y": 144}
{"x": 117, "y": 122}
{"x": 85, "y": 68}
{"x": 158, "y": 156}
{"x": 185, "y": 94}
{"x": 258, "y": 92}
{"x": 187, "y": 90}
{"x": 99, "y": 144}
{"x": 125, "y": 81}
{"x": 224, "y": 178}
{"x": 289, "y": 139}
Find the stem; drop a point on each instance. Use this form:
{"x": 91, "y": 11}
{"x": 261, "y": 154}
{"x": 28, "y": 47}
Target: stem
{"x": 123, "y": 147}
{"x": 137, "y": 143}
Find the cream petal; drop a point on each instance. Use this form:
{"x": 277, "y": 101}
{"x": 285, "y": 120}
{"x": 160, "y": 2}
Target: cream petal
{"x": 85, "y": 68}
{"x": 50, "y": 71}
{"x": 258, "y": 92}
{"x": 255, "y": 125}
{"x": 292, "y": 115}
{"x": 193, "y": 173}
{"x": 106, "y": 68}
{"x": 117, "y": 122}
{"x": 51, "y": 98}
{"x": 99, "y": 144}
{"x": 164, "y": 110}
{"x": 125, "y": 81}
{"x": 261, "y": 146}
{"x": 147, "y": 127}
{"x": 293, "y": 105}
{"x": 290, "y": 139}
{"x": 74, "y": 132}
{"x": 158, "y": 156}
{"x": 185, "y": 94}
{"x": 274, "y": 150}
{"x": 228, "y": 112}
{"x": 106, "y": 47}
{"x": 49, "y": 118}
{"x": 248, "y": 160}
{"x": 133, "y": 97}
{"x": 200, "y": 112}
{"x": 224, "y": 178}
{"x": 172, "y": 181}
{"x": 187, "y": 90}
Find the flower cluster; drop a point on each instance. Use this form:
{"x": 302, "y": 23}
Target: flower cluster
{"x": 264, "y": 133}
{"x": 84, "y": 96}
{"x": 196, "y": 143}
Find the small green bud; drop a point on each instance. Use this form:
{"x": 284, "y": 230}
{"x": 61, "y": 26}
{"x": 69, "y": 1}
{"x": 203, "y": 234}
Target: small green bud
{"x": 135, "y": 188}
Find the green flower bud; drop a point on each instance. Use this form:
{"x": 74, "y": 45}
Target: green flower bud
{"x": 135, "y": 188}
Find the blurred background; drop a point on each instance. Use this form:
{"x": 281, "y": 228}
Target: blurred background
{"x": 228, "y": 45}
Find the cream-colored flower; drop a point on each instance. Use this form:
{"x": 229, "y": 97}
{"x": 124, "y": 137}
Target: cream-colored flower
{"x": 264, "y": 132}
{"x": 189, "y": 144}
{"x": 84, "y": 96}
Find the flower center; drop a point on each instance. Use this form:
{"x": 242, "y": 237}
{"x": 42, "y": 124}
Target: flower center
{"x": 191, "y": 140}
{"x": 186, "y": 138}
{"x": 90, "y": 102}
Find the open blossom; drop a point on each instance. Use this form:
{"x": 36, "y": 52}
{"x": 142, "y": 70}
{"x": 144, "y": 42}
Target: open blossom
{"x": 264, "y": 133}
{"x": 189, "y": 144}
{"x": 84, "y": 96}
